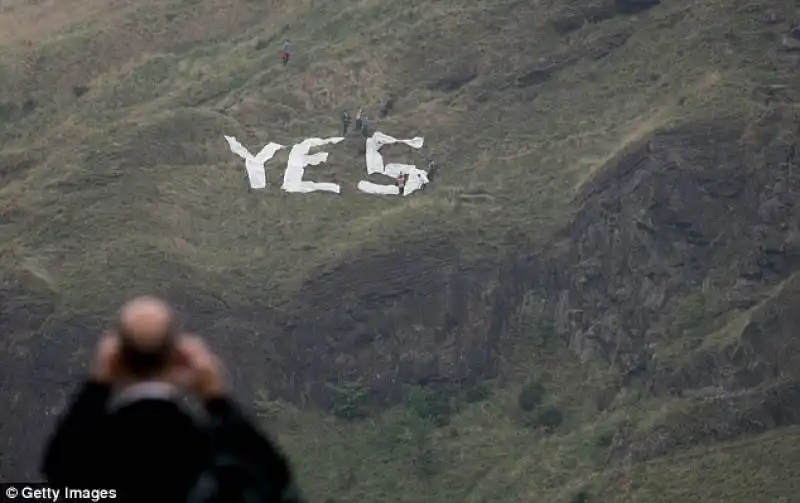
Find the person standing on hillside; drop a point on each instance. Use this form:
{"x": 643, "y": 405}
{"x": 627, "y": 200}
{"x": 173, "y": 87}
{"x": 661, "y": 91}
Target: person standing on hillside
{"x": 126, "y": 428}
{"x": 431, "y": 169}
{"x": 400, "y": 181}
{"x": 366, "y": 127}
{"x": 345, "y": 122}
{"x": 286, "y": 51}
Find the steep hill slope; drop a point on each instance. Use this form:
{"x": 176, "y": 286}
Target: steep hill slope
{"x": 592, "y": 302}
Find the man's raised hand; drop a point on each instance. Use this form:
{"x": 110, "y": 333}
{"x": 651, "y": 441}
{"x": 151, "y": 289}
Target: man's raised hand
{"x": 199, "y": 369}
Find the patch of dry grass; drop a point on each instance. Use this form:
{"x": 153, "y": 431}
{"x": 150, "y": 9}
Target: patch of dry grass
{"x": 23, "y": 21}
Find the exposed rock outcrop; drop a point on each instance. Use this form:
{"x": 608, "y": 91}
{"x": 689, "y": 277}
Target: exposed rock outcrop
{"x": 693, "y": 203}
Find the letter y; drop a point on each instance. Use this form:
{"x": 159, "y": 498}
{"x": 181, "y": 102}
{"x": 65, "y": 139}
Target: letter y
{"x": 254, "y": 164}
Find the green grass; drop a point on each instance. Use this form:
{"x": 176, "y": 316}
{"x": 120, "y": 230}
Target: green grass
{"x": 151, "y": 131}
{"x": 132, "y": 187}
{"x": 484, "y": 454}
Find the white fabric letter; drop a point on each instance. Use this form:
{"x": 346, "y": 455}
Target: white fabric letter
{"x": 416, "y": 179}
{"x": 254, "y": 164}
{"x": 299, "y": 158}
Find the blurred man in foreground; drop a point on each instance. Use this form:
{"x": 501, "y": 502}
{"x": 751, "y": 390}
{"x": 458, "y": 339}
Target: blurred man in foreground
{"x": 126, "y": 428}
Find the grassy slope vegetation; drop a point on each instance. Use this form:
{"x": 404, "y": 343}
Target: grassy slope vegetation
{"x": 115, "y": 175}
{"x": 143, "y": 147}
{"x": 491, "y": 449}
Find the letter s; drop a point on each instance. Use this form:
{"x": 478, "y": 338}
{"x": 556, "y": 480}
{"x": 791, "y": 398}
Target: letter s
{"x": 417, "y": 177}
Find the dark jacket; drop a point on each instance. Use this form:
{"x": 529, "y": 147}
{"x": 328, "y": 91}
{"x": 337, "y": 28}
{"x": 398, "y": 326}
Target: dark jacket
{"x": 152, "y": 449}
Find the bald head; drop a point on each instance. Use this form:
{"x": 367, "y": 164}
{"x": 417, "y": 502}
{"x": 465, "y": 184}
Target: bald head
{"x": 147, "y": 327}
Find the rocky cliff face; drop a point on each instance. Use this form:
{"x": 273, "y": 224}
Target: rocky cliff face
{"x": 743, "y": 384}
{"x": 416, "y": 316}
{"x": 705, "y": 209}
{"x": 679, "y": 269}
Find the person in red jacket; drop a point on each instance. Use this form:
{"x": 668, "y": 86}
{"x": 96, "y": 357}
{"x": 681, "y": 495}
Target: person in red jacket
{"x": 401, "y": 182}
{"x": 286, "y": 51}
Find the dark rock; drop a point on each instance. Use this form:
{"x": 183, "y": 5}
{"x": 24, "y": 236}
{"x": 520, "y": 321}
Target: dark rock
{"x": 607, "y": 45}
{"x": 572, "y": 21}
{"x": 544, "y": 70}
{"x": 566, "y": 25}
{"x": 13, "y": 166}
{"x": 79, "y": 91}
{"x": 455, "y": 79}
{"x": 634, "y": 6}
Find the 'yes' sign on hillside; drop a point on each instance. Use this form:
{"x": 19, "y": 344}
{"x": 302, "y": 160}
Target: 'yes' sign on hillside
{"x": 299, "y": 159}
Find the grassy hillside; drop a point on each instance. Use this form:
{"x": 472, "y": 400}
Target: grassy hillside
{"x": 115, "y": 179}
{"x": 194, "y": 71}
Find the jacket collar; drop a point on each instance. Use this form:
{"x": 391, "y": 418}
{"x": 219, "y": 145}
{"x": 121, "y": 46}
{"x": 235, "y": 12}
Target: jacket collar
{"x": 147, "y": 390}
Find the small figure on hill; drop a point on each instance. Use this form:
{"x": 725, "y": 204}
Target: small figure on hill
{"x": 359, "y": 119}
{"x": 286, "y": 51}
{"x": 400, "y": 181}
{"x": 345, "y": 122}
{"x": 431, "y": 170}
{"x": 366, "y": 127}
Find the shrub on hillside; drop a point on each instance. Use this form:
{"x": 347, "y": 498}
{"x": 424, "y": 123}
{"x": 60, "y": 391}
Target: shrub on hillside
{"x": 605, "y": 439}
{"x": 477, "y": 393}
{"x": 434, "y": 406}
{"x": 530, "y": 396}
{"x": 547, "y": 419}
{"x": 348, "y": 400}
{"x": 581, "y": 497}
{"x": 426, "y": 464}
